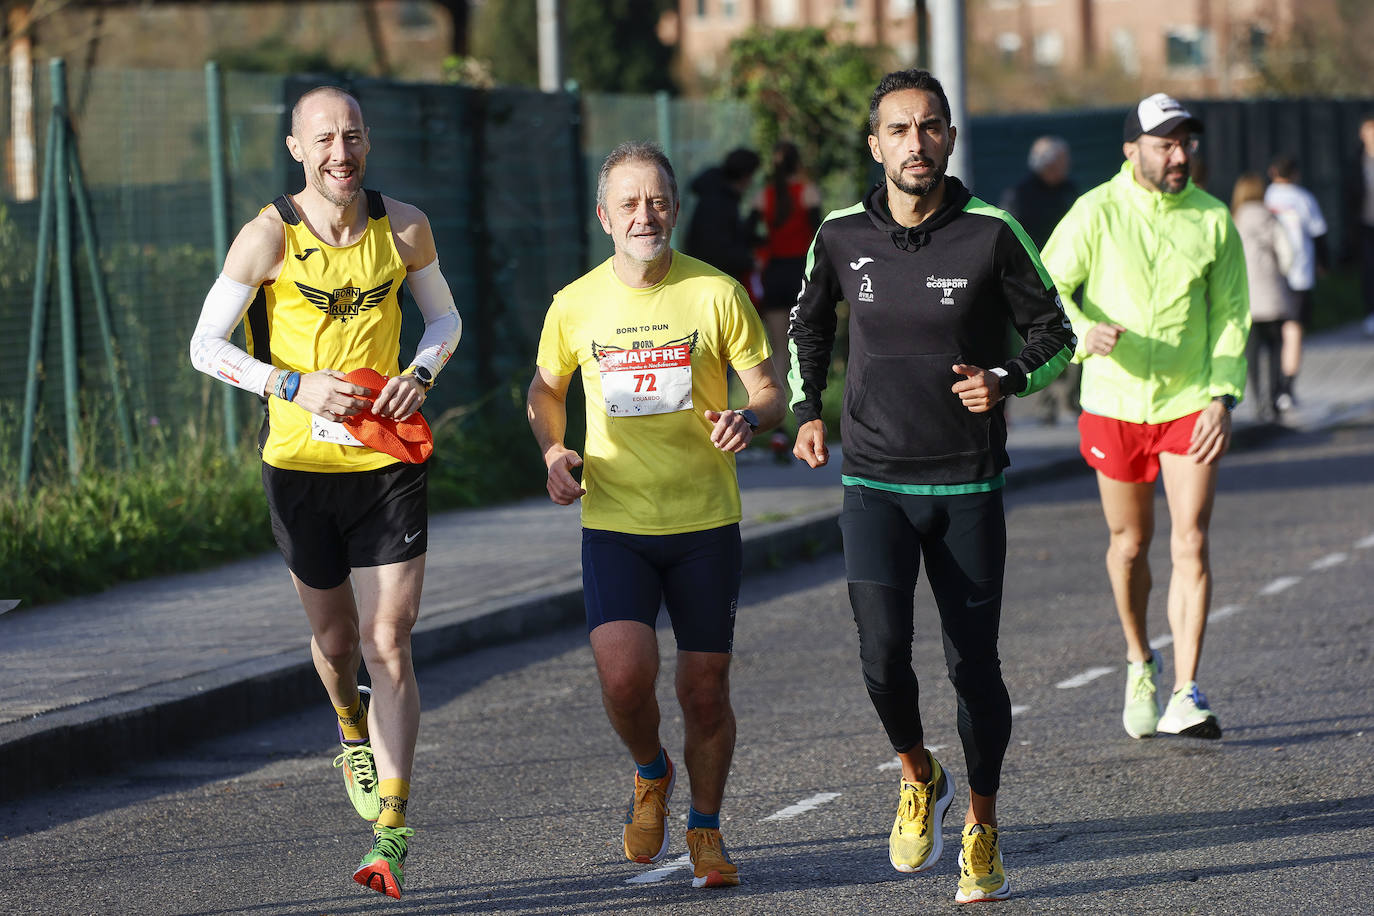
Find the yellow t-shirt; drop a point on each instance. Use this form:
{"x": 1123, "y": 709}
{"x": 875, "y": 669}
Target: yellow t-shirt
{"x": 652, "y": 361}
{"x": 330, "y": 308}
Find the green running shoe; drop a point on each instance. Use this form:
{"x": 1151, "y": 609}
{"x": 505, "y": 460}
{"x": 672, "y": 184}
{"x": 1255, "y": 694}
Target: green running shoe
{"x": 383, "y": 869}
{"x": 360, "y": 774}
{"x": 1141, "y": 713}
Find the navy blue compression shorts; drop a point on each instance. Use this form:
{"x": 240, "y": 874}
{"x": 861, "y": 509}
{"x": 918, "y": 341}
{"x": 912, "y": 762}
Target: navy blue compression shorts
{"x": 696, "y": 574}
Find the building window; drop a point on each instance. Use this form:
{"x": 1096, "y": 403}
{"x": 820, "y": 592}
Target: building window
{"x": 1188, "y": 47}
{"x": 701, "y": 9}
{"x": 1124, "y": 47}
{"x": 1258, "y": 44}
{"x": 1008, "y": 46}
{"x": 1048, "y": 49}
{"x": 783, "y": 12}
{"x": 727, "y": 8}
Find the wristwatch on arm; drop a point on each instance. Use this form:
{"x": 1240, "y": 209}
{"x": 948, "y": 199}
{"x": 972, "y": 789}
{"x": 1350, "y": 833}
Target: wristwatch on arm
{"x": 1227, "y": 400}
{"x": 750, "y": 417}
{"x": 422, "y": 375}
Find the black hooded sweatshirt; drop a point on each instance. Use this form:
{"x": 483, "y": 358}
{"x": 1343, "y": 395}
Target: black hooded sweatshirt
{"x": 958, "y": 288}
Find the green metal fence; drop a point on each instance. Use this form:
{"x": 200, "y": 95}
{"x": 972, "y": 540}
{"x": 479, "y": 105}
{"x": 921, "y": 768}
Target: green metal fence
{"x": 507, "y": 178}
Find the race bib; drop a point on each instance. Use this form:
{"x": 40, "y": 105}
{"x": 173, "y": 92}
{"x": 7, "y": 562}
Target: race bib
{"x": 637, "y": 383}
{"x": 322, "y": 430}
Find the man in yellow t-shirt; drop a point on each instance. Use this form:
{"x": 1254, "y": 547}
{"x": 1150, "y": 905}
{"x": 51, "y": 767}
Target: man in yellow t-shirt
{"x": 653, "y": 332}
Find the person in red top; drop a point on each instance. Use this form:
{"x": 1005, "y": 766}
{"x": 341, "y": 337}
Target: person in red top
{"x": 789, "y": 210}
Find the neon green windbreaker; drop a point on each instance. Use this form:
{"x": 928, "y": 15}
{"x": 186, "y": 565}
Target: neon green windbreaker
{"x": 1169, "y": 268}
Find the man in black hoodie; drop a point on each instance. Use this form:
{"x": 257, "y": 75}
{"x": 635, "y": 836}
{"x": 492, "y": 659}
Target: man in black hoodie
{"x": 936, "y": 281}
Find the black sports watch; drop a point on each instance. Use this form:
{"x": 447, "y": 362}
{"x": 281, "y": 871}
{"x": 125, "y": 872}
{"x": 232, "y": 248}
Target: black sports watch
{"x": 423, "y": 376}
{"x": 750, "y": 417}
{"x": 1227, "y": 400}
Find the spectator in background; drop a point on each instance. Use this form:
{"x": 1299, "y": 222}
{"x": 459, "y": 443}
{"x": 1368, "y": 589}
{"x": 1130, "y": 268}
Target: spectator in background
{"x": 1302, "y": 219}
{"x": 1039, "y": 201}
{"x": 717, "y": 234}
{"x": 1268, "y": 257}
{"x": 789, "y": 209}
{"x": 1359, "y": 223}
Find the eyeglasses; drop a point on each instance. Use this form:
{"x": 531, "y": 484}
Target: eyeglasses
{"x": 1167, "y": 148}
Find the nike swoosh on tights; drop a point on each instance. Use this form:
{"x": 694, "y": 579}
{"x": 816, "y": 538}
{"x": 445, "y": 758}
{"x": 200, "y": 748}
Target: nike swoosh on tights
{"x": 411, "y": 537}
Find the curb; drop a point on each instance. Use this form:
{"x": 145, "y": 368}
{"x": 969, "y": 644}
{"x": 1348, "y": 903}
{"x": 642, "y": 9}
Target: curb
{"x": 100, "y": 736}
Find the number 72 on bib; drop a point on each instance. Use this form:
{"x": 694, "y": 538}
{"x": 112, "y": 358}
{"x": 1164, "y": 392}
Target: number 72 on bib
{"x": 637, "y": 383}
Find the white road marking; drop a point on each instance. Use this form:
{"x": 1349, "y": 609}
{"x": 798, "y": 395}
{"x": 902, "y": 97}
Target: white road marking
{"x": 658, "y": 874}
{"x": 1365, "y": 542}
{"x": 1086, "y": 677}
{"x": 1017, "y": 710}
{"x": 1280, "y": 584}
{"x": 1328, "y": 561}
{"x": 803, "y": 806}
{"x": 1159, "y": 642}
{"x": 1222, "y": 613}
{"x": 8, "y": 604}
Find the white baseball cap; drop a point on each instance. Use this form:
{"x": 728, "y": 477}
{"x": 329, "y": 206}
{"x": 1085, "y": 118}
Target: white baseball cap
{"x": 1158, "y": 116}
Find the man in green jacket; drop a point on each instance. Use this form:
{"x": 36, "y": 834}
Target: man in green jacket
{"x": 1161, "y": 331}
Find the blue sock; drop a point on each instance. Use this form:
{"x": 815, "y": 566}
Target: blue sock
{"x": 696, "y": 819}
{"x": 656, "y": 770}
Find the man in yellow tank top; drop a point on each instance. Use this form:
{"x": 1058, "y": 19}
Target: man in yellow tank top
{"x": 318, "y": 276}
{"x": 653, "y": 332}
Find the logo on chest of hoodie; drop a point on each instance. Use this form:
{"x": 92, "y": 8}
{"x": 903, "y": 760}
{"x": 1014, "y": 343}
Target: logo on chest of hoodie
{"x": 866, "y": 289}
{"x": 948, "y": 285}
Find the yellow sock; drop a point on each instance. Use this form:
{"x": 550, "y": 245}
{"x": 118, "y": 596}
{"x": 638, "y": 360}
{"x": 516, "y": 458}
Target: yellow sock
{"x": 353, "y": 721}
{"x": 395, "y": 793}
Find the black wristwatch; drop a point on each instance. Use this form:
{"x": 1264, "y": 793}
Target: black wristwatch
{"x": 423, "y": 376}
{"x": 1227, "y": 400}
{"x": 750, "y": 417}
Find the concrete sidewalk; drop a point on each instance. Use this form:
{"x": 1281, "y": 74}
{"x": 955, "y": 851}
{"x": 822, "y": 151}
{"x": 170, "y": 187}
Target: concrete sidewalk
{"x": 149, "y": 665}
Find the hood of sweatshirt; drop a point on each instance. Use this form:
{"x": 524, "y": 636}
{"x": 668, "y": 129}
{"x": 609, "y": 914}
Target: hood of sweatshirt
{"x": 914, "y": 238}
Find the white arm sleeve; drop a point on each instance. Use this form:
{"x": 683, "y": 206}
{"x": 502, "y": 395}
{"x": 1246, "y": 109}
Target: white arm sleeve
{"x": 211, "y": 351}
{"x": 443, "y": 325}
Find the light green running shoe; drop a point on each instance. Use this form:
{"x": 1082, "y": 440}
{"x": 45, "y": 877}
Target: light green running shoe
{"x": 1141, "y": 712}
{"x": 1188, "y": 715}
{"x": 981, "y": 875}
{"x": 383, "y": 868}
{"x": 360, "y": 774}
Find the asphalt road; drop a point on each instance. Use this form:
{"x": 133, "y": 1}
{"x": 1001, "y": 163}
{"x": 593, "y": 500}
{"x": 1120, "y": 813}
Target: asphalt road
{"x": 520, "y": 784}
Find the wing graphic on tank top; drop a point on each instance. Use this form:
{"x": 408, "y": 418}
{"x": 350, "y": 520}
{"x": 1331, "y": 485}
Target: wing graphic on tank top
{"x": 345, "y": 302}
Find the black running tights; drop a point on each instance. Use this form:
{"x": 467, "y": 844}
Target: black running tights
{"x": 963, "y": 538}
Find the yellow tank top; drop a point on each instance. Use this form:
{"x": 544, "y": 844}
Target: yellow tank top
{"x": 330, "y": 308}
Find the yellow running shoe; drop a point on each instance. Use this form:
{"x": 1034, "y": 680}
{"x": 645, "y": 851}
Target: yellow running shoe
{"x": 646, "y": 828}
{"x": 981, "y": 876}
{"x": 915, "y": 843}
{"x": 360, "y": 779}
{"x": 711, "y": 865}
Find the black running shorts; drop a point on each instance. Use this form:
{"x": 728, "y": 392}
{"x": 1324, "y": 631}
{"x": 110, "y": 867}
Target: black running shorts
{"x": 696, "y": 575}
{"x": 327, "y": 524}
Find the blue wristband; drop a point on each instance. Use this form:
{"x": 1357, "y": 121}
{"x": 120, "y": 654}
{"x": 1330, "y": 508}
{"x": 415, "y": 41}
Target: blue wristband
{"x": 293, "y": 383}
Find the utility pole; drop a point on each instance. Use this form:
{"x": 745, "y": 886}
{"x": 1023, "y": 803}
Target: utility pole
{"x": 948, "y": 64}
{"x": 23, "y": 145}
{"x": 550, "y": 30}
